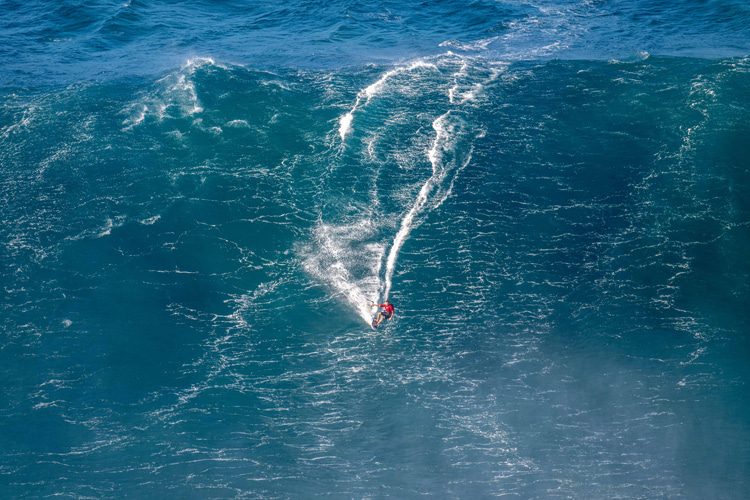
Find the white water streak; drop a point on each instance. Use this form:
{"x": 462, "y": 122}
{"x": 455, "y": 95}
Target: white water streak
{"x": 367, "y": 94}
{"x": 445, "y": 140}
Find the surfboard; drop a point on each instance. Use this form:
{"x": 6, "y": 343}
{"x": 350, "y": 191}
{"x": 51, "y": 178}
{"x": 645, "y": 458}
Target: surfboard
{"x": 374, "y": 323}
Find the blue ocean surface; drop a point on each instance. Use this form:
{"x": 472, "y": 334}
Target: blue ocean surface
{"x": 200, "y": 200}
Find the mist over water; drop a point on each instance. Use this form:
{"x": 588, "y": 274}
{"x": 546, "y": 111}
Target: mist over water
{"x": 197, "y": 211}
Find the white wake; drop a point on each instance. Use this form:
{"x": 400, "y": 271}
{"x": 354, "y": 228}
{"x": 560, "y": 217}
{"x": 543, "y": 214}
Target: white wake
{"x": 434, "y": 192}
{"x": 349, "y": 254}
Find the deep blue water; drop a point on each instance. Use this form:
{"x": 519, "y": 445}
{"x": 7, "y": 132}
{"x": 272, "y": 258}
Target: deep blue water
{"x": 198, "y": 202}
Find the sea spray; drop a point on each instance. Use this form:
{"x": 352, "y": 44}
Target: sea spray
{"x": 351, "y": 268}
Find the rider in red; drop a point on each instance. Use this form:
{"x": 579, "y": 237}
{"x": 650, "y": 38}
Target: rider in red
{"x": 386, "y": 313}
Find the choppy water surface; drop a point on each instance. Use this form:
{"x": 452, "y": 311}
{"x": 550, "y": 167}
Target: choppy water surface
{"x": 196, "y": 212}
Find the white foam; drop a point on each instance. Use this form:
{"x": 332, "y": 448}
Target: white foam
{"x": 23, "y": 123}
{"x": 434, "y": 191}
{"x": 374, "y": 89}
{"x": 352, "y": 273}
{"x": 238, "y": 124}
{"x": 477, "y": 45}
{"x": 174, "y": 96}
{"x": 110, "y": 224}
{"x": 151, "y": 220}
{"x": 198, "y": 62}
{"x": 345, "y": 123}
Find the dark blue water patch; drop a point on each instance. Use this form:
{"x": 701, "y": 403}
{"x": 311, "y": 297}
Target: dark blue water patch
{"x": 140, "y": 37}
{"x": 104, "y": 40}
{"x": 52, "y": 434}
{"x": 661, "y": 28}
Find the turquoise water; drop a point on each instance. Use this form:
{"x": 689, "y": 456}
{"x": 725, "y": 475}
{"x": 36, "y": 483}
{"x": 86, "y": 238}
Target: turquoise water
{"x": 195, "y": 214}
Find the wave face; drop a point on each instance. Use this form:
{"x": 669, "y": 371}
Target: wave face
{"x": 190, "y": 246}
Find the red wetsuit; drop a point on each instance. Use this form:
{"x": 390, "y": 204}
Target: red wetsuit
{"x": 387, "y": 309}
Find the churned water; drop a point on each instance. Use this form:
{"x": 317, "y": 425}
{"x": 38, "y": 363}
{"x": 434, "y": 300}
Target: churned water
{"x": 200, "y": 201}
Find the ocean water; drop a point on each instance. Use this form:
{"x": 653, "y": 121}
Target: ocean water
{"x": 200, "y": 199}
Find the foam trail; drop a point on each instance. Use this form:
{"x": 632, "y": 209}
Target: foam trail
{"x": 367, "y": 94}
{"x": 355, "y": 274}
{"x": 445, "y": 143}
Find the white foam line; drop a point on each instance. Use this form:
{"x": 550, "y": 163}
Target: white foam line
{"x": 439, "y": 172}
{"x": 367, "y": 94}
{"x": 453, "y": 91}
